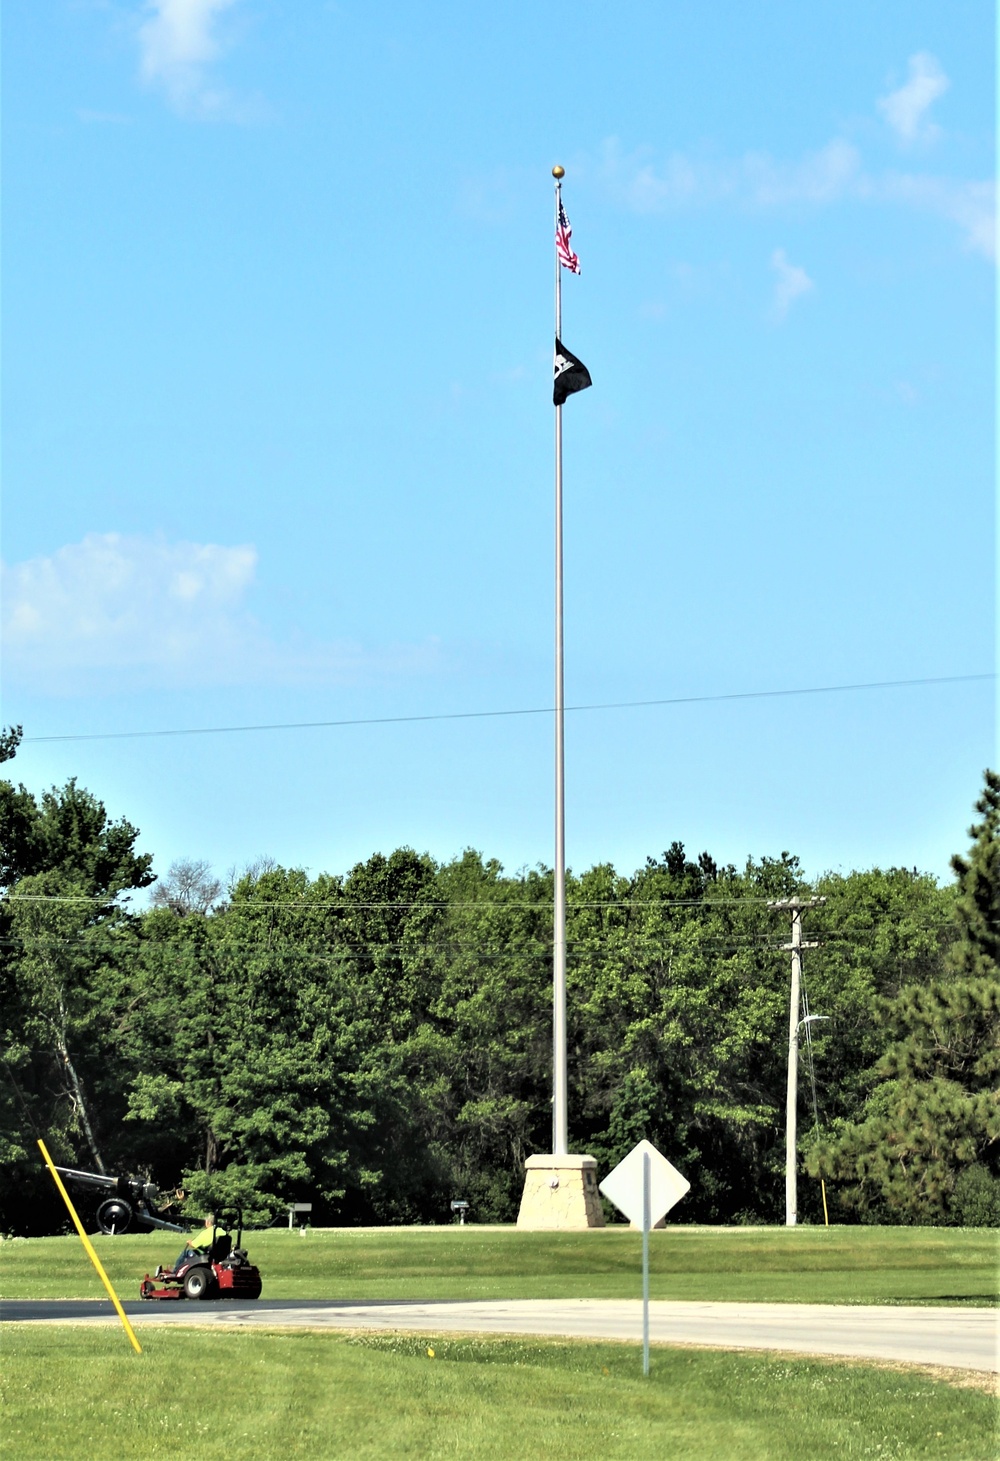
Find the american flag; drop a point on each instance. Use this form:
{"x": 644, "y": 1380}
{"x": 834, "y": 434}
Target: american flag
{"x": 564, "y": 233}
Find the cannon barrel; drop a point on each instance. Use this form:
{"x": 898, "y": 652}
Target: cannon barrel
{"x": 90, "y": 1181}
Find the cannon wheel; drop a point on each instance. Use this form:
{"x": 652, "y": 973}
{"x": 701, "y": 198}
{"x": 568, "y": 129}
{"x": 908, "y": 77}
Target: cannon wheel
{"x": 114, "y": 1216}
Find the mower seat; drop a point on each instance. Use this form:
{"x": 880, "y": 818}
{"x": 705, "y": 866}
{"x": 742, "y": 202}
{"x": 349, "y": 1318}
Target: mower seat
{"x": 220, "y": 1249}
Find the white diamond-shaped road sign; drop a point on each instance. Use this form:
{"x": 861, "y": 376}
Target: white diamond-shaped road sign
{"x": 623, "y": 1186}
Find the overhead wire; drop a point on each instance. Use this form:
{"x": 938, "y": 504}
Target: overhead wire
{"x": 444, "y": 940}
{"x": 217, "y": 730}
{"x": 436, "y": 905}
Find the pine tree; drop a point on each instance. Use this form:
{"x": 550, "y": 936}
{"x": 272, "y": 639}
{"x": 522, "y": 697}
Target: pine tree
{"x": 978, "y": 907}
{"x": 927, "y": 1148}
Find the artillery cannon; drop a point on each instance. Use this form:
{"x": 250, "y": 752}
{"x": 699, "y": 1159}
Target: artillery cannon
{"x": 121, "y": 1201}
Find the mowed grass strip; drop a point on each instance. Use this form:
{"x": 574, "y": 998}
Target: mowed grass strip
{"x": 842, "y": 1265}
{"x": 81, "y": 1392}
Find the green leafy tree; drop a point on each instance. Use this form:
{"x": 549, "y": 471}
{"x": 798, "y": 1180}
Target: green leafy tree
{"x": 215, "y": 1069}
{"x": 260, "y": 1040}
{"x": 681, "y": 1000}
{"x": 380, "y": 1042}
{"x": 64, "y": 864}
{"x": 480, "y": 1060}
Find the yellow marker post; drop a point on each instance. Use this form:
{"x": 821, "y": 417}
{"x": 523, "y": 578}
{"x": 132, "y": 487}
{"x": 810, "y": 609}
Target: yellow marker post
{"x": 826, "y": 1215}
{"x": 91, "y": 1253}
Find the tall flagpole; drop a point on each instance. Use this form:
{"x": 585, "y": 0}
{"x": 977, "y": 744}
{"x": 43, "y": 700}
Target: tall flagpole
{"x": 560, "y": 1091}
{"x": 560, "y": 1188}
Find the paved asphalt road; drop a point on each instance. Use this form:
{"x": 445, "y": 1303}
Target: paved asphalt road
{"x": 963, "y": 1338}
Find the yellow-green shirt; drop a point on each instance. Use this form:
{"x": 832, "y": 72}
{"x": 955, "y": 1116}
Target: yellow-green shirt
{"x": 202, "y": 1240}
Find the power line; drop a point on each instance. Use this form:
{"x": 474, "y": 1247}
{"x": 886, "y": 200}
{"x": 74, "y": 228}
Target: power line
{"x": 129, "y": 937}
{"x": 218, "y": 730}
{"x": 435, "y": 905}
{"x": 431, "y": 904}
{"x": 443, "y": 906}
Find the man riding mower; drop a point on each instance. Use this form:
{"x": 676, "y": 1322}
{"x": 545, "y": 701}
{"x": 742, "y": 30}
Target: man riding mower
{"x": 208, "y": 1268}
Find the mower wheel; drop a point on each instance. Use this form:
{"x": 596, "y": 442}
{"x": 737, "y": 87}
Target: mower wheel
{"x": 197, "y": 1283}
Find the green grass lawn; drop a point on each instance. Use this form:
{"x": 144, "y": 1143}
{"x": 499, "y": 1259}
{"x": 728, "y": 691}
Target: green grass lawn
{"x": 81, "y": 1392}
{"x": 803, "y": 1265}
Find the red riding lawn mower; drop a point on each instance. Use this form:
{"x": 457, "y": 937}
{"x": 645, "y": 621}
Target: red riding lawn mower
{"x": 221, "y": 1272}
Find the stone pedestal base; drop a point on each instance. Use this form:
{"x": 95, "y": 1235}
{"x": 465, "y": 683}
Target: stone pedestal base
{"x": 560, "y": 1192}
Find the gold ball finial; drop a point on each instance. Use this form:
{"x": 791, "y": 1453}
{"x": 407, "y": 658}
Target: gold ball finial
{"x": 558, "y": 172}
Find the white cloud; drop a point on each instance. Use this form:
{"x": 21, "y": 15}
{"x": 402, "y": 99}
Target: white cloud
{"x": 757, "y": 181}
{"x": 114, "y": 612}
{"x": 646, "y": 187}
{"x": 906, "y": 109}
{"x": 177, "y": 45}
{"x": 969, "y": 204}
{"x": 833, "y": 174}
{"x": 818, "y": 177}
{"x": 792, "y": 282}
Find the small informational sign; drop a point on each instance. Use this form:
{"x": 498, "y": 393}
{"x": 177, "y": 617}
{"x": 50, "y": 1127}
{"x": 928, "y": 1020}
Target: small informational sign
{"x": 623, "y": 1186}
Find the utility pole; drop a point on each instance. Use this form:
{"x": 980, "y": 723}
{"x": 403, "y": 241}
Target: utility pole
{"x": 795, "y": 905}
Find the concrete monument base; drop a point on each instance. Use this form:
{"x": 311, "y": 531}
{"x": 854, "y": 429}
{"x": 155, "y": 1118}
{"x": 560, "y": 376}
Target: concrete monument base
{"x": 560, "y": 1192}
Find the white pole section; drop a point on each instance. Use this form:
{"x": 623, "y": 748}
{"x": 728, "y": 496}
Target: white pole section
{"x": 560, "y": 1091}
{"x": 792, "y": 1100}
{"x": 646, "y": 1203}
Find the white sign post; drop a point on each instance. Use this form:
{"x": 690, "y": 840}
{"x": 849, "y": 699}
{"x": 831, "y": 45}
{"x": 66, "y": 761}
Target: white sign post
{"x": 646, "y": 1203}
{"x": 293, "y": 1208}
{"x": 644, "y": 1186}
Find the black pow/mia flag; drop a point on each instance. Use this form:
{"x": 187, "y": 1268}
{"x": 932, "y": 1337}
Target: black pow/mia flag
{"x": 571, "y": 374}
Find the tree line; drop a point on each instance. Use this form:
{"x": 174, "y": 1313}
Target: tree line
{"x": 379, "y": 1042}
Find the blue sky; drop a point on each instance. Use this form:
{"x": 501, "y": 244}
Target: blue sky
{"x": 278, "y": 422}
